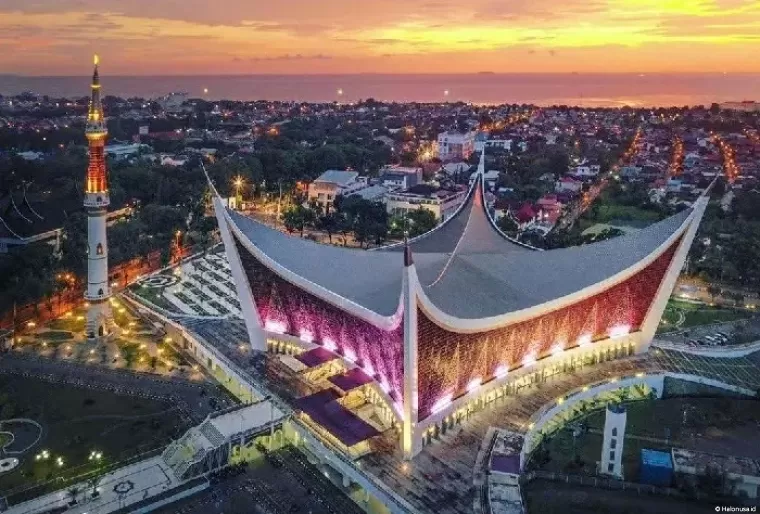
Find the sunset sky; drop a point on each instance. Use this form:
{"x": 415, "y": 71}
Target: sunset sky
{"x": 146, "y": 37}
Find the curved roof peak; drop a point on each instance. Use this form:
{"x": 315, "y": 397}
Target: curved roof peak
{"x": 469, "y": 230}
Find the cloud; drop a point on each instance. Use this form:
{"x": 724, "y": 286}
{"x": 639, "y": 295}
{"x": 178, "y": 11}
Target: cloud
{"x": 344, "y": 35}
{"x": 285, "y": 57}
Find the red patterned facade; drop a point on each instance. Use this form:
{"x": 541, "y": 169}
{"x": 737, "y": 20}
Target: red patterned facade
{"x": 449, "y": 361}
{"x": 286, "y": 308}
{"x": 96, "y": 170}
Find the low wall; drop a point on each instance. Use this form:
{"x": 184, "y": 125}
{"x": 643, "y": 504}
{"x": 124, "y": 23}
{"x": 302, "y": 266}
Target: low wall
{"x": 726, "y": 352}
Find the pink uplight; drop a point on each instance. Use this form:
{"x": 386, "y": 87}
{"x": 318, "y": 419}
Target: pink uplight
{"x": 349, "y": 355}
{"x": 619, "y": 331}
{"x": 529, "y": 360}
{"x": 502, "y": 371}
{"x": 441, "y": 404}
{"x": 474, "y": 384}
{"x": 275, "y": 326}
{"x": 369, "y": 370}
{"x": 584, "y": 340}
{"x": 330, "y": 345}
{"x": 558, "y": 349}
{"x": 306, "y": 336}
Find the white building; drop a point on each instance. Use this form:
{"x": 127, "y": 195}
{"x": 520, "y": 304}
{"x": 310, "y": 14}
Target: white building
{"x": 490, "y": 177}
{"x": 441, "y": 202}
{"x": 172, "y": 160}
{"x": 31, "y": 156}
{"x": 612, "y": 445}
{"x": 745, "y": 106}
{"x": 455, "y": 145}
{"x": 453, "y": 168}
{"x": 568, "y": 184}
{"x": 120, "y": 151}
{"x": 332, "y": 183}
{"x": 586, "y": 170}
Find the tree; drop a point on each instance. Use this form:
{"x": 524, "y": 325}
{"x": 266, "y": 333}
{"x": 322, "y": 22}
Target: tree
{"x": 93, "y": 484}
{"x": 420, "y": 222}
{"x": 714, "y": 291}
{"x": 328, "y": 223}
{"x": 73, "y": 494}
{"x": 508, "y": 225}
{"x": 298, "y": 218}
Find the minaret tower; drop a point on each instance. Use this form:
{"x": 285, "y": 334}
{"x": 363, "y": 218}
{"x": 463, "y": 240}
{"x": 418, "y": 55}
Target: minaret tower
{"x": 96, "y": 202}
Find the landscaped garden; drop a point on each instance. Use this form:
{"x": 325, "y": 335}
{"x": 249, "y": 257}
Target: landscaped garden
{"x": 679, "y": 315}
{"x": 78, "y": 422}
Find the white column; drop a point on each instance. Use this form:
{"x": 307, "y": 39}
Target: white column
{"x": 247, "y": 306}
{"x": 611, "y": 462}
{"x": 653, "y": 317}
{"x": 97, "y": 256}
{"x": 410, "y": 443}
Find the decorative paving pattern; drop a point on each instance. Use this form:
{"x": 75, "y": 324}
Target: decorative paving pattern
{"x": 160, "y": 281}
{"x": 123, "y": 487}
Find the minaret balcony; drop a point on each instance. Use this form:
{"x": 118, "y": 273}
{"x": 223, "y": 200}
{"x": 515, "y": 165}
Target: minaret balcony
{"x": 100, "y": 294}
{"x": 95, "y": 200}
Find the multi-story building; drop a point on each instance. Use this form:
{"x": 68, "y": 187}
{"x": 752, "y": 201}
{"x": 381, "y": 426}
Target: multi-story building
{"x": 332, "y": 183}
{"x": 454, "y": 146}
{"x": 441, "y": 202}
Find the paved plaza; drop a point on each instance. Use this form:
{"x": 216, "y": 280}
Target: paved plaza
{"x": 202, "y": 286}
{"x": 117, "y": 489}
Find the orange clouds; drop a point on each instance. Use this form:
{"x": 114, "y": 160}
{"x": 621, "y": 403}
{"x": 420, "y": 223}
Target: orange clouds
{"x": 414, "y": 36}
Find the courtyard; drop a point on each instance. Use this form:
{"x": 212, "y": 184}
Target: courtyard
{"x": 201, "y": 286}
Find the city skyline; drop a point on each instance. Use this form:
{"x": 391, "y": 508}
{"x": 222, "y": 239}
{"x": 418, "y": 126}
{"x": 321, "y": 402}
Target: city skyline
{"x": 48, "y": 37}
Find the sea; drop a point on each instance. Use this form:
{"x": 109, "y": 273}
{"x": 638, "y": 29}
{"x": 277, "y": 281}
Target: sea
{"x": 587, "y": 90}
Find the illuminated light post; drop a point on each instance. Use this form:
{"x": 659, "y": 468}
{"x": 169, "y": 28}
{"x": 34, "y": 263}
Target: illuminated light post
{"x": 238, "y": 183}
{"x": 178, "y": 242}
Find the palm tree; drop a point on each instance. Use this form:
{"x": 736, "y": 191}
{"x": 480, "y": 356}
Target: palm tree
{"x": 73, "y": 493}
{"x": 93, "y": 484}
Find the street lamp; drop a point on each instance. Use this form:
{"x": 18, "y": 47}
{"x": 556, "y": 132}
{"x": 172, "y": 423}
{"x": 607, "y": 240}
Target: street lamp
{"x": 238, "y": 183}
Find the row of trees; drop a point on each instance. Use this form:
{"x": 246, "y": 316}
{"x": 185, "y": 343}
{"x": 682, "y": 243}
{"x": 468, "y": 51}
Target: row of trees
{"x": 367, "y": 221}
{"x": 728, "y": 243}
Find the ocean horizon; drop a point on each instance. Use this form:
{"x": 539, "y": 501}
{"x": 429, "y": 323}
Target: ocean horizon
{"x": 579, "y": 89}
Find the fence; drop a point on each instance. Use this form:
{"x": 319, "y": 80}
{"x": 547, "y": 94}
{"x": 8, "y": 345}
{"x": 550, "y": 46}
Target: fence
{"x": 620, "y": 485}
{"x": 28, "y": 492}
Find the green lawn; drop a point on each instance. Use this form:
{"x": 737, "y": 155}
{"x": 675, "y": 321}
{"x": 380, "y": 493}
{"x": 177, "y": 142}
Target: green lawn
{"x": 697, "y": 314}
{"x": 79, "y": 421}
{"x": 608, "y": 212}
{"x": 154, "y": 296}
{"x": 55, "y": 335}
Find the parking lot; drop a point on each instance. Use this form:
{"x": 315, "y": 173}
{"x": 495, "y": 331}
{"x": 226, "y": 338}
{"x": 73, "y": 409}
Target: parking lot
{"x": 286, "y": 483}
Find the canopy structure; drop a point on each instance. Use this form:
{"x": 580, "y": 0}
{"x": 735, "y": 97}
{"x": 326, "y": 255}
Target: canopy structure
{"x": 439, "y": 317}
